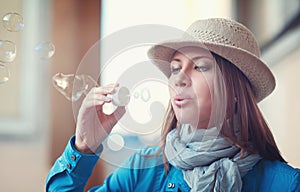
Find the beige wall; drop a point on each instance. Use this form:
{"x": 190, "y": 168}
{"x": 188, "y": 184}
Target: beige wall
{"x": 282, "y": 108}
{"x": 23, "y": 166}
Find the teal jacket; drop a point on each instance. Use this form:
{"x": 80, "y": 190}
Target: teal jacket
{"x": 143, "y": 173}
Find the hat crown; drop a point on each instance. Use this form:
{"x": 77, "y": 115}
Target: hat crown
{"x": 224, "y": 32}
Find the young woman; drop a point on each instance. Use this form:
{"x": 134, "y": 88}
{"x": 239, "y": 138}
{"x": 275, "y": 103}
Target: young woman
{"x": 214, "y": 137}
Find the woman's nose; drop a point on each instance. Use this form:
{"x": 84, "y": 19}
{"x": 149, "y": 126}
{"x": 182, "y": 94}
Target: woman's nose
{"x": 182, "y": 80}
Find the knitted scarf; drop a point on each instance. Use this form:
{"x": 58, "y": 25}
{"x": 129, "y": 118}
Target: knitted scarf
{"x": 209, "y": 161}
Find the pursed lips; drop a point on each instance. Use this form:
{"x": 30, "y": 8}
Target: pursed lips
{"x": 181, "y": 100}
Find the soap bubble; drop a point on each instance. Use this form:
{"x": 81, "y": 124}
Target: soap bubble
{"x": 115, "y": 142}
{"x": 13, "y": 22}
{"x": 4, "y": 74}
{"x": 65, "y": 85}
{"x": 7, "y": 51}
{"x": 45, "y": 50}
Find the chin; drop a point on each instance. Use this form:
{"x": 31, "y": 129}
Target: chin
{"x": 185, "y": 120}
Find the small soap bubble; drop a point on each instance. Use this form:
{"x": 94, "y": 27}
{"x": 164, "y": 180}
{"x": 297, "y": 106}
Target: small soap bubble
{"x": 45, "y": 50}
{"x": 115, "y": 142}
{"x": 7, "y": 51}
{"x": 4, "y": 74}
{"x": 13, "y": 22}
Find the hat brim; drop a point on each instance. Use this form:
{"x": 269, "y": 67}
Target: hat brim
{"x": 257, "y": 72}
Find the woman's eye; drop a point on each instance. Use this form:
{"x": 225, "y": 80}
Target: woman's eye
{"x": 175, "y": 70}
{"x": 202, "y": 68}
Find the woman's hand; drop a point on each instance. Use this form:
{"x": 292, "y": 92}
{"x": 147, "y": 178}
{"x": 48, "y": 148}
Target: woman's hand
{"x": 93, "y": 126}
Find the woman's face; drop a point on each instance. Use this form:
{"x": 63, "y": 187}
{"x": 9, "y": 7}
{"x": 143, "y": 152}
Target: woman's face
{"x": 190, "y": 86}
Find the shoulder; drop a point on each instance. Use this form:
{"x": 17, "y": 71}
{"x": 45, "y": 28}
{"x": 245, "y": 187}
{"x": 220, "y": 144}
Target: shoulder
{"x": 274, "y": 175}
{"x": 274, "y": 167}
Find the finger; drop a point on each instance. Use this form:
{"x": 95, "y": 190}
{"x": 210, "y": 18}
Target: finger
{"x": 96, "y": 101}
{"x": 100, "y": 90}
{"x": 107, "y": 89}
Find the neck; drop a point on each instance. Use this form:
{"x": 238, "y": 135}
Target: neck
{"x": 199, "y": 125}
{"x": 202, "y": 125}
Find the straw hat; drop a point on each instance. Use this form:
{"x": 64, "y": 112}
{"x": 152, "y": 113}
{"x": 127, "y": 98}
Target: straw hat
{"x": 227, "y": 38}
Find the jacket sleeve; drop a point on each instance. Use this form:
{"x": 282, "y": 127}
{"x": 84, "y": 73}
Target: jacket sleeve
{"x": 72, "y": 169}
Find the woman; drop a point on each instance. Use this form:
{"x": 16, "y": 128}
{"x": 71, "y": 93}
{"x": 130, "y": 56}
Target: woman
{"x": 214, "y": 137}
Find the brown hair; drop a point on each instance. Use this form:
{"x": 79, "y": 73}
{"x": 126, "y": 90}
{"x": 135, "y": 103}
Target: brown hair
{"x": 255, "y": 135}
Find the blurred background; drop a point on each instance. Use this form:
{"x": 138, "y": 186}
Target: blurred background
{"x": 41, "y": 38}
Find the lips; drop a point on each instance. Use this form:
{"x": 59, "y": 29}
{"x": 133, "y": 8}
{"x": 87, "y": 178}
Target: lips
{"x": 181, "y": 100}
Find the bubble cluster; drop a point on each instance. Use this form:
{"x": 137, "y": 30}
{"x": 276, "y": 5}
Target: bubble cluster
{"x": 12, "y": 22}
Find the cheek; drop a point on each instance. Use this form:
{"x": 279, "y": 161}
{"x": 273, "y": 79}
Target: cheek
{"x": 202, "y": 83}
{"x": 203, "y": 94}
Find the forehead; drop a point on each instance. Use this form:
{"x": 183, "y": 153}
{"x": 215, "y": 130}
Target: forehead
{"x": 192, "y": 51}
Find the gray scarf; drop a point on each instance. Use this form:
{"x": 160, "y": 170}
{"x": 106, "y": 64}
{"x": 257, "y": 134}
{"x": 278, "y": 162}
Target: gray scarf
{"x": 209, "y": 161}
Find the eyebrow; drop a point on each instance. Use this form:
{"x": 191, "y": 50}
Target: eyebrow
{"x": 193, "y": 58}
